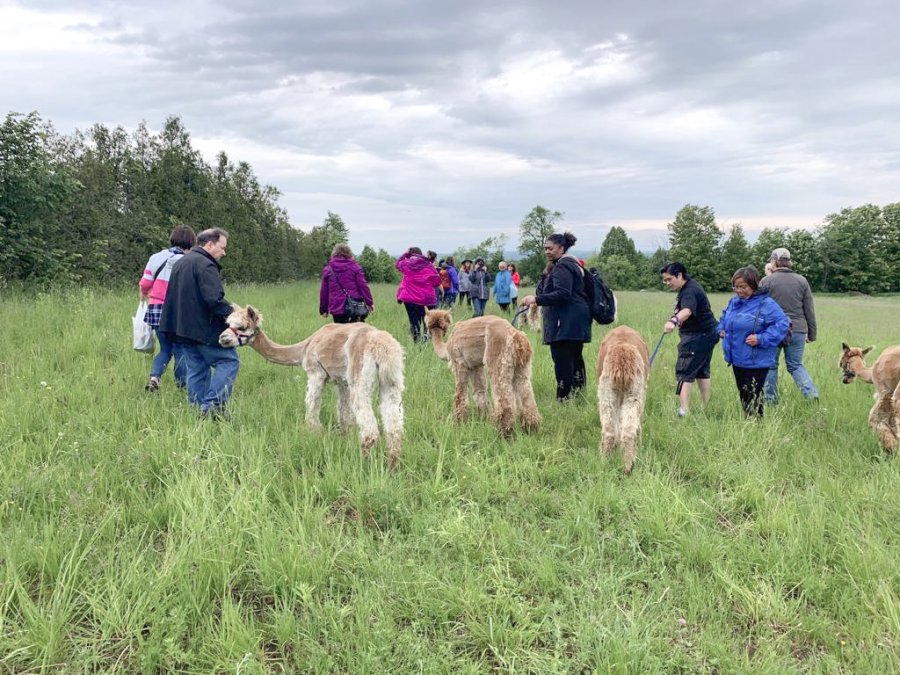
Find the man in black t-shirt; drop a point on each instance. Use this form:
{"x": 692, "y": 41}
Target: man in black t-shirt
{"x": 697, "y": 326}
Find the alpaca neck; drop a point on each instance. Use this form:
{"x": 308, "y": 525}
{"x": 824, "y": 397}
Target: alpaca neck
{"x": 865, "y": 374}
{"x": 285, "y": 355}
{"x": 437, "y": 341}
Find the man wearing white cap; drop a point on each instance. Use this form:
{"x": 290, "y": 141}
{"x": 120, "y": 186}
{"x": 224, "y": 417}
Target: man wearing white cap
{"x": 791, "y": 291}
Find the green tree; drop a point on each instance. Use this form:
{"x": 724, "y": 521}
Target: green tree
{"x": 534, "y": 229}
{"x": 694, "y": 240}
{"x": 491, "y": 249}
{"x": 368, "y": 260}
{"x": 851, "y": 262}
{"x": 805, "y": 256}
{"x": 617, "y": 242}
{"x": 387, "y": 269}
{"x": 735, "y": 253}
{"x": 888, "y": 245}
{"x": 769, "y": 239}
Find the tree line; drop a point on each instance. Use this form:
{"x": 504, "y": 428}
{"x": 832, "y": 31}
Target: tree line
{"x": 91, "y": 207}
{"x": 855, "y": 250}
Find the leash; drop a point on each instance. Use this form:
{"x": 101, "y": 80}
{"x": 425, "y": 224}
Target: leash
{"x": 519, "y": 312}
{"x": 658, "y": 344}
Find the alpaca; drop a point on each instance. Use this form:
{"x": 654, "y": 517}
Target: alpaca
{"x": 623, "y": 366}
{"x": 533, "y": 318}
{"x": 493, "y": 342}
{"x": 884, "y": 418}
{"x": 357, "y": 357}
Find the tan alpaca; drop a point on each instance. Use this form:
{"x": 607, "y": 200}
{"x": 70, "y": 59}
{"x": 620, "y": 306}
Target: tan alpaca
{"x": 533, "y": 318}
{"x": 884, "y": 417}
{"x": 492, "y": 342}
{"x": 623, "y": 366}
{"x": 358, "y": 358}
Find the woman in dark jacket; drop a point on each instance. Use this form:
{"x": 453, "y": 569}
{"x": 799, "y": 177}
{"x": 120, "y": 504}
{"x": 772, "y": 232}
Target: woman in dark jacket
{"x": 342, "y": 277}
{"x": 567, "y": 317}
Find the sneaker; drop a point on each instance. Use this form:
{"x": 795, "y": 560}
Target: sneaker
{"x": 681, "y": 412}
{"x": 153, "y": 385}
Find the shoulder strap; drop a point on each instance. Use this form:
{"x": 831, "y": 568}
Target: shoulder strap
{"x": 337, "y": 280}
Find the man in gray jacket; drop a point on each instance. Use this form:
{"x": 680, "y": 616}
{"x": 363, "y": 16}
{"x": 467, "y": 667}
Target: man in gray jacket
{"x": 791, "y": 291}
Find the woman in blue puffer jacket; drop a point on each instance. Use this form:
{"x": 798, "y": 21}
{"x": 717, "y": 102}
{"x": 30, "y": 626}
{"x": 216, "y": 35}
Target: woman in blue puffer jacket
{"x": 751, "y": 327}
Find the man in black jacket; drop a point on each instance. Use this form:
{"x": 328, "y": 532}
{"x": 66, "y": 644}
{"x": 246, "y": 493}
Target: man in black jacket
{"x": 194, "y": 316}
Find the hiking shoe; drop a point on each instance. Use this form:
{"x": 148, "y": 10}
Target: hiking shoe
{"x": 153, "y": 385}
{"x": 681, "y": 412}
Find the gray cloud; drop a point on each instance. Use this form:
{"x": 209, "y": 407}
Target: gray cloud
{"x": 457, "y": 118}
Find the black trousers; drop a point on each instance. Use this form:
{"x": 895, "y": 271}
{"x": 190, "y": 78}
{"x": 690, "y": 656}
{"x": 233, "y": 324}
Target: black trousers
{"x": 343, "y": 318}
{"x": 416, "y": 314}
{"x": 750, "y": 383}
{"x": 568, "y": 363}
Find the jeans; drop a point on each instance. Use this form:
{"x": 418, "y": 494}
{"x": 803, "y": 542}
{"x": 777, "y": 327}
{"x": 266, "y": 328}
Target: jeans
{"x": 205, "y": 389}
{"x": 166, "y": 350}
{"x": 793, "y": 358}
{"x": 478, "y": 306}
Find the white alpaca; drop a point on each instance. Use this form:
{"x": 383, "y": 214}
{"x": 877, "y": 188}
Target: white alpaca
{"x": 358, "y": 358}
{"x": 623, "y": 366}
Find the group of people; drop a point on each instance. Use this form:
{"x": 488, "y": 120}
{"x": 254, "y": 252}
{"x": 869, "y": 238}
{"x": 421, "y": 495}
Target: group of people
{"x": 764, "y": 318}
{"x": 187, "y": 309}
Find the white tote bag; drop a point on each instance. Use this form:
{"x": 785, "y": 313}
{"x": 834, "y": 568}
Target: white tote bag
{"x": 144, "y": 337}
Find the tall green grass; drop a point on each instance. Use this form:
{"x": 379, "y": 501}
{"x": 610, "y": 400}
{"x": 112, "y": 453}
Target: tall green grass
{"x": 136, "y": 537}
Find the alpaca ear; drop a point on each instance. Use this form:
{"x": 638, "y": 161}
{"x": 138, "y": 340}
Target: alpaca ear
{"x": 845, "y": 346}
{"x": 253, "y": 314}
{"x": 867, "y": 350}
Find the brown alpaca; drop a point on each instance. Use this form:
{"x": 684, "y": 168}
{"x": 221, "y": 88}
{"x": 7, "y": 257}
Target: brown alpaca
{"x": 493, "y": 342}
{"x": 533, "y": 318}
{"x": 884, "y": 418}
{"x": 623, "y": 366}
{"x": 358, "y": 358}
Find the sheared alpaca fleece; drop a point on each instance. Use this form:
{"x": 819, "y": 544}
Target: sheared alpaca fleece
{"x": 884, "y": 417}
{"x": 492, "y": 342}
{"x": 360, "y": 359}
{"x": 623, "y": 366}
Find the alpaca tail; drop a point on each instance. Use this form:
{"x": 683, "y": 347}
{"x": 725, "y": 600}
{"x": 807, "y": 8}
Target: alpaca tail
{"x": 625, "y": 366}
{"x": 521, "y": 347}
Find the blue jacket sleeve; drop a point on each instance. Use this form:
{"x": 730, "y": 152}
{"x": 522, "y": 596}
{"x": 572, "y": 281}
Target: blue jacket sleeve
{"x": 775, "y": 324}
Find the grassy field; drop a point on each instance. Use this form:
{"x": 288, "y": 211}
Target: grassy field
{"x": 135, "y": 537}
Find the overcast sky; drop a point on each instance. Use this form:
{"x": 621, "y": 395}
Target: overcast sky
{"x": 439, "y": 124}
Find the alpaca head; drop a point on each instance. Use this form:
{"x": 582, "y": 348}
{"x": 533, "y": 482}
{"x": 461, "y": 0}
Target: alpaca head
{"x": 437, "y": 319}
{"x": 243, "y": 324}
{"x": 852, "y": 361}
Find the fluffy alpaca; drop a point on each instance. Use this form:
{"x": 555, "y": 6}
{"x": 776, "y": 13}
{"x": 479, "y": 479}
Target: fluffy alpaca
{"x": 623, "y": 366}
{"x": 533, "y": 318}
{"x": 358, "y": 358}
{"x": 884, "y": 418}
{"x": 493, "y": 342}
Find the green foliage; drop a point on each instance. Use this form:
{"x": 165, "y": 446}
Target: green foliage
{"x": 534, "y": 229}
{"x": 852, "y": 261}
{"x": 491, "y": 249}
{"x": 135, "y": 537}
{"x": 734, "y": 254}
{"x": 694, "y": 239}
{"x": 378, "y": 266}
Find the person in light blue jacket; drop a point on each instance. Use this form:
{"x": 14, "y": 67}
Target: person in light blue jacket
{"x": 751, "y": 328}
{"x": 501, "y": 287}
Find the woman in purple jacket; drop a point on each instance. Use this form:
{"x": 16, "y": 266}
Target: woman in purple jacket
{"x": 342, "y": 277}
{"x": 416, "y": 290}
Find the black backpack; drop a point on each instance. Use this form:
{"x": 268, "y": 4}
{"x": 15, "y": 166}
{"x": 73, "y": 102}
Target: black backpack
{"x": 600, "y": 297}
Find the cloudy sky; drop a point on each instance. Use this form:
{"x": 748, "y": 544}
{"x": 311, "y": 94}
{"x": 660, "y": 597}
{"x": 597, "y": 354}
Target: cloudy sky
{"x": 439, "y": 124}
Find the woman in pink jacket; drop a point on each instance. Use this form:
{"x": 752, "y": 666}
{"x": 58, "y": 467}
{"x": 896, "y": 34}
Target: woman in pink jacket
{"x": 416, "y": 291}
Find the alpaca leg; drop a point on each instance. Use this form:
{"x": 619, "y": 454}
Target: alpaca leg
{"x": 501, "y": 374}
{"x": 895, "y": 399}
{"x": 880, "y": 421}
{"x": 315, "y": 384}
{"x": 528, "y": 411}
{"x": 362, "y": 390}
{"x": 480, "y": 386}
{"x": 392, "y": 420}
{"x": 461, "y": 394}
{"x": 606, "y": 399}
{"x": 632, "y": 413}
{"x": 345, "y": 413}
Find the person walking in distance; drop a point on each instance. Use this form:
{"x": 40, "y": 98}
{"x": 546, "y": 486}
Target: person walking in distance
{"x": 194, "y": 316}
{"x": 792, "y": 293}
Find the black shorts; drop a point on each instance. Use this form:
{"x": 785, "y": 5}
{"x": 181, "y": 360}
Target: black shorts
{"x": 694, "y": 355}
